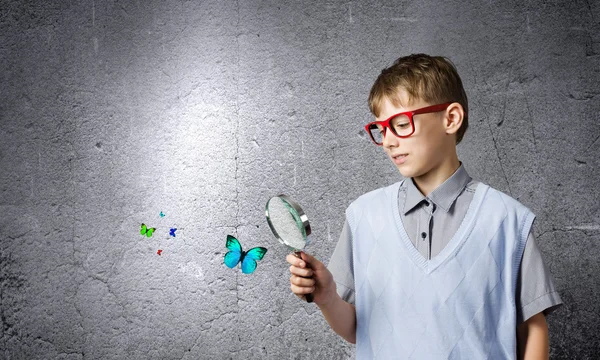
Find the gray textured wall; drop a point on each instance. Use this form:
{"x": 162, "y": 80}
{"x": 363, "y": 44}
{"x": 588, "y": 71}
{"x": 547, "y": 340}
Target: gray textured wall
{"x": 113, "y": 111}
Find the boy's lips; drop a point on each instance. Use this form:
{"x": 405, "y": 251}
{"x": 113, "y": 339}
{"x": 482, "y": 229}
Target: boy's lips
{"x": 398, "y": 155}
{"x": 399, "y": 158}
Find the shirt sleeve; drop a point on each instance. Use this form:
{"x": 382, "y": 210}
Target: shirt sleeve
{"x": 535, "y": 290}
{"x": 341, "y": 265}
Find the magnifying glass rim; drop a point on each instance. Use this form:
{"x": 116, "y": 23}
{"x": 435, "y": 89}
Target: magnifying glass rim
{"x": 298, "y": 210}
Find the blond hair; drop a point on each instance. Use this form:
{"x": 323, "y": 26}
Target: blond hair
{"x": 433, "y": 79}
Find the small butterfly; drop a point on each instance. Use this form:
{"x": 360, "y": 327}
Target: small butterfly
{"x": 172, "y": 232}
{"x": 147, "y": 231}
{"x": 159, "y": 251}
{"x": 162, "y": 214}
{"x": 247, "y": 258}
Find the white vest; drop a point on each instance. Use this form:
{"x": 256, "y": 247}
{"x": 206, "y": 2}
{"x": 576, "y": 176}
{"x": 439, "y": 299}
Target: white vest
{"x": 458, "y": 305}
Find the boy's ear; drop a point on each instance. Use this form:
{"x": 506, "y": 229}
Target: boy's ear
{"x": 453, "y": 118}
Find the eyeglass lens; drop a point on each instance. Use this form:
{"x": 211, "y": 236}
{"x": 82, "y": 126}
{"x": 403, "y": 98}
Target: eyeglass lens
{"x": 400, "y": 125}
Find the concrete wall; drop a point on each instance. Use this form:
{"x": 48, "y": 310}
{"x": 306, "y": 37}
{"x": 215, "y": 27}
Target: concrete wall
{"x": 113, "y": 111}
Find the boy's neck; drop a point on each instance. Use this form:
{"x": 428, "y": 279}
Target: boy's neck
{"x": 428, "y": 182}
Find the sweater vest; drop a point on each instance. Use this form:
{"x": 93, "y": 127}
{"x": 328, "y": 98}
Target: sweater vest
{"x": 459, "y": 304}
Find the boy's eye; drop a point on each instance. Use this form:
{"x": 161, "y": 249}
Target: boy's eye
{"x": 401, "y": 122}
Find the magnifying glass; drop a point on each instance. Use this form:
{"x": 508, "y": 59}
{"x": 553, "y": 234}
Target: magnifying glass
{"x": 289, "y": 224}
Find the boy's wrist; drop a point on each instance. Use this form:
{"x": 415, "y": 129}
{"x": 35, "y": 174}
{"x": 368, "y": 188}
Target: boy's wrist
{"x": 330, "y": 300}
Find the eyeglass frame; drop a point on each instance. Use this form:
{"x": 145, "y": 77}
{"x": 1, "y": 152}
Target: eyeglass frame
{"x": 409, "y": 114}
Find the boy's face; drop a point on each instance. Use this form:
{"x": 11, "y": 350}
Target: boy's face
{"x": 424, "y": 150}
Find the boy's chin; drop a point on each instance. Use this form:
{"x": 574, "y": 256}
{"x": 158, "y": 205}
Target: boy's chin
{"x": 407, "y": 172}
{"x": 404, "y": 172}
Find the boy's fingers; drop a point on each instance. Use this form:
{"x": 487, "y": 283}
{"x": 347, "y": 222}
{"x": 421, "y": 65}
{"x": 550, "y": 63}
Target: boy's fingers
{"x": 302, "y": 281}
{"x": 293, "y": 260}
{"x": 300, "y": 290}
{"x": 311, "y": 260}
{"x": 301, "y": 272}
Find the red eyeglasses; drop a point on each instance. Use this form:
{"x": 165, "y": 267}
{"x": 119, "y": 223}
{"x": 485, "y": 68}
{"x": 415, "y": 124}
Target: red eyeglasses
{"x": 401, "y": 124}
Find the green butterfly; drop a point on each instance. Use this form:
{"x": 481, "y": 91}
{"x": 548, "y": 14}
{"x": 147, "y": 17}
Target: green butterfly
{"x": 147, "y": 231}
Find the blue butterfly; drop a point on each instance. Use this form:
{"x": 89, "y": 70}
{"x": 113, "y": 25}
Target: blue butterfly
{"x": 172, "y": 232}
{"x": 247, "y": 258}
{"x": 162, "y": 214}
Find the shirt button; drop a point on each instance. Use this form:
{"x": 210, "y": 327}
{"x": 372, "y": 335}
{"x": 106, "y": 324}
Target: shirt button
{"x": 423, "y": 235}
{"x": 426, "y": 203}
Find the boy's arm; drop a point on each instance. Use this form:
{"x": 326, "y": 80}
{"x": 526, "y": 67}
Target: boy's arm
{"x": 532, "y": 338}
{"x": 341, "y": 316}
{"x": 309, "y": 275}
{"x": 536, "y": 297}
{"x": 535, "y": 291}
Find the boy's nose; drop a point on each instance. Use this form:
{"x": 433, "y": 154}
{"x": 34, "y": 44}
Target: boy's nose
{"x": 389, "y": 139}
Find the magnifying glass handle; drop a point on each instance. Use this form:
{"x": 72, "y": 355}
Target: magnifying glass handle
{"x": 308, "y": 297}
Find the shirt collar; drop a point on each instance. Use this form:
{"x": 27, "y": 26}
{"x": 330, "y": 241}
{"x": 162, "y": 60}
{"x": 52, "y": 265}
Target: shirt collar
{"x": 443, "y": 196}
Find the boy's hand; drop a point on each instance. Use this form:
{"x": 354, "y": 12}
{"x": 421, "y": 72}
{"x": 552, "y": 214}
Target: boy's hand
{"x": 314, "y": 278}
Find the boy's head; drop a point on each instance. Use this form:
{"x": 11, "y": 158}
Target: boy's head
{"x": 421, "y": 99}
{"x": 432, "y": 79}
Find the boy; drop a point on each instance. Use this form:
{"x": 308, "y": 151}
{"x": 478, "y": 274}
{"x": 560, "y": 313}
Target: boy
{"x": 437, "y": 265}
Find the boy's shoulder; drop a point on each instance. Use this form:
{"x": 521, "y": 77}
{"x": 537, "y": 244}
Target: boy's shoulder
{"x": 501, "y": 201}
{"x": 508, "y": 200}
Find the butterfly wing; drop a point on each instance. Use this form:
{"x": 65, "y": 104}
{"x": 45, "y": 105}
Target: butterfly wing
{"x": 143, "y": 229}
{"x": 234, "y": 254}
{"x": 172, "y": 232}
{"x": 256, "y": 253}
{"x": 251, "y": 257}
{"x": 150, "y": 231}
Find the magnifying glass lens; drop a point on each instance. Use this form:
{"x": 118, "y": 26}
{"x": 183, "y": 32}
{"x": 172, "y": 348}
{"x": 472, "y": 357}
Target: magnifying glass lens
{"x": 289, "y": 224}
{"x": 286, "y": 222}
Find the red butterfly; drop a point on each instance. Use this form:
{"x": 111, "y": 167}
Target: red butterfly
{"x": 159, "y": 251}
